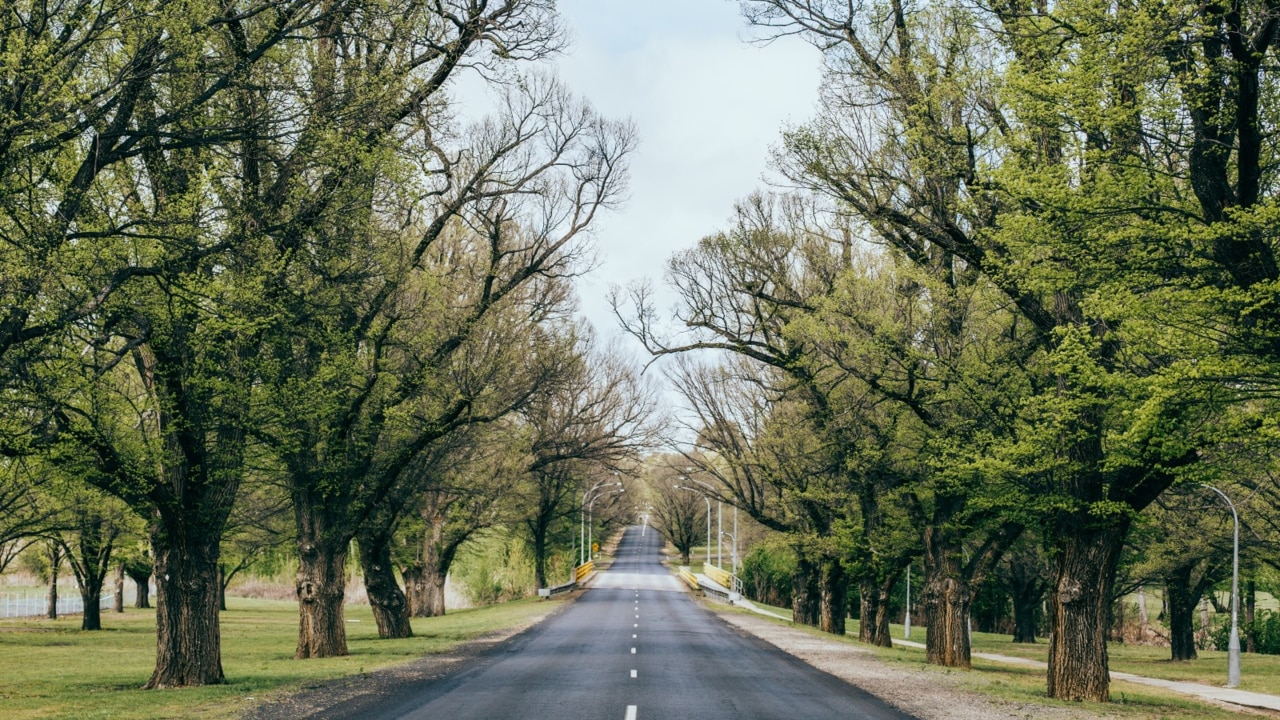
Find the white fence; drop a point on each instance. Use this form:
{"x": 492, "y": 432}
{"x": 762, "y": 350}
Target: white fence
{"x": 33, "y": 604}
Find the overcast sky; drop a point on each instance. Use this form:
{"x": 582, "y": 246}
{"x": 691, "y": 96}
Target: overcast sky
{"x": 707, "y": 104}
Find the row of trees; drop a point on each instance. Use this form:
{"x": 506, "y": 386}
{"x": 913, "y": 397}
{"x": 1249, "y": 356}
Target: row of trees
{"x": 257, "y": 273}
{"x": 1023, "y": 285}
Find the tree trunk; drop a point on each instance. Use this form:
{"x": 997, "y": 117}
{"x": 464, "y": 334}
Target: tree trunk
{"x": 881, "y": 636}
{"x": 1250, "y": 612}
{"x": 946, "y": 596}
{"x": 1117, "y": 621}
{"x": 1079, "y": 606}
{"x": 868, "y": 609}
{"x": 188, "y": 640}
{"x": 412, "y": 576}
{"x": 91, "y": 565}
{"x": 1182, "y": 607}
{"x": 540, "y": 557}
{"x": 946, "y": 602}
{"x": 222, "y": 587}
{"x": 55, "y": 561}
{"x": 390, "y": 606}
{"x": 1026, "y": 590}
{"x": 91, "y": 594}
{"x": 321, "y": 588}
{"x": 142, "y": 590}
{"x": 833, "y": 597}
{"x": 117, "y": 604}
{"x": 436, "y": 560}
{"x": 433, "y": 592}
{"x": 804, "y": 593}
{"x": 1204, "y": 616}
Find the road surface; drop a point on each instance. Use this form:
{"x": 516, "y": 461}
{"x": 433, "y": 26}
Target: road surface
{"x": 633, "y": 647}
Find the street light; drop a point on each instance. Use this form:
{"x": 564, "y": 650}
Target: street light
{"x": 590, "y": 525}
{"x": 719, "y": 522}
{"x": 582, "y": 526}
{"x": 704, "y": 497}
{"x": 1233, "y": 644}
{"x": 734, "y": 556}
{"x": 906, "y": 632}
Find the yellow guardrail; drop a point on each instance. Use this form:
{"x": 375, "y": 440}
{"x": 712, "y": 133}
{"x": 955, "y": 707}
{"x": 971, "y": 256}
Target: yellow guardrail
{"x": 721, "y": 577}
{"x": 584, "y": 570}
{"x": 688, "y": 578}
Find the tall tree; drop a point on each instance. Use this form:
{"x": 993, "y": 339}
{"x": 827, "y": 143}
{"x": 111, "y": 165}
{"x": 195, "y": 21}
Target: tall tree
{"x": 995, "y": 179}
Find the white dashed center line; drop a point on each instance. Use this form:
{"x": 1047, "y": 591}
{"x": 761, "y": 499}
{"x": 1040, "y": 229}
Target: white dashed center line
{"x": 633, "y": 651}
{"x": 631, "y": 712}
{"x": 633, "y": 673}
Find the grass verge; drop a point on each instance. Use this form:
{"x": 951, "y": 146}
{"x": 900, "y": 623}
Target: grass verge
{"x": 1025, "y": 685}
{"x": 1259, "y": 673}
{"x": 55, "y": 670}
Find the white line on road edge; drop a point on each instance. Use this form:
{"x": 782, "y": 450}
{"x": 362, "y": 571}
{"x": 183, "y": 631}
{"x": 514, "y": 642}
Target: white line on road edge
{"x": 631, "y": 712}
{"x": 633, "y": 673}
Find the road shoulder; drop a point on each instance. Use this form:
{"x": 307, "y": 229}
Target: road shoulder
{"x": 374, "y": 692}
{"x": 925, "y": 692}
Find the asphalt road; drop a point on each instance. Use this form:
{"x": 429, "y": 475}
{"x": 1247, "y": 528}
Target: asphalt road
{"x": 635, "y": 647}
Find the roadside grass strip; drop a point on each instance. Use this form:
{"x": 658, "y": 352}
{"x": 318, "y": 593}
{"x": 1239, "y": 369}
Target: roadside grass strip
{"x": 1026, "y": 683}
{"x": 55, "y": 670}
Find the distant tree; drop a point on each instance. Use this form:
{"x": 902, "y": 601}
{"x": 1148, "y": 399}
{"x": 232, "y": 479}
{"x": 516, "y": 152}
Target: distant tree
{"x": 598, "y": 417}
{"x": 676, "y": 513}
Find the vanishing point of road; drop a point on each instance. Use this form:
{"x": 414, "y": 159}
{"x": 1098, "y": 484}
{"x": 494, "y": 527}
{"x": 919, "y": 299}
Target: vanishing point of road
{"x": 634, "y": 647}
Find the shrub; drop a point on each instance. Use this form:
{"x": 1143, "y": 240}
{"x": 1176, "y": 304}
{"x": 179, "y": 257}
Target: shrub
{"x": 1266, "y": 626}
{"x": 766, "y": 575}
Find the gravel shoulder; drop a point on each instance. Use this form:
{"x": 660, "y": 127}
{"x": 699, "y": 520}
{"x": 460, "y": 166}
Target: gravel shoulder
{"x": 356, "y": 695}
{"x": 925, "y": 693}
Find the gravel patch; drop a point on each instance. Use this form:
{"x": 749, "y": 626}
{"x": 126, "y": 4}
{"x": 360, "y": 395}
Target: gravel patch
{"x": 927, "y": 694}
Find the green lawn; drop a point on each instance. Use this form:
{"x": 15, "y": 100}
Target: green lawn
{"x": 54, "y": 670}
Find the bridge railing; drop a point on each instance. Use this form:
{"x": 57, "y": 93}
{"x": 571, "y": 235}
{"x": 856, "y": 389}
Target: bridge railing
{"x": 720, "y": 576}
{"x": 580, "y": 573}
{"x": 688, "y": 577}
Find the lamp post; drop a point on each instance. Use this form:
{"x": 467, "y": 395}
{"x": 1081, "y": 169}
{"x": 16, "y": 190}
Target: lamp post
{"x": 1233, "y": 643}
{"x": 704, "y": 497}
{"x": 590, "y": 525}
{"x": 582, "y": 524}
{"x": 719, "y": 523}
{"x": 733, "y": 557}
{"x": 906, "y": 631}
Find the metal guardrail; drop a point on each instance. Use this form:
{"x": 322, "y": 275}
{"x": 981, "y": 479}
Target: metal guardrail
{"x": 688, "y": 577}
{"x": 580, "y": 573}
{"x": 553, "y": 591}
